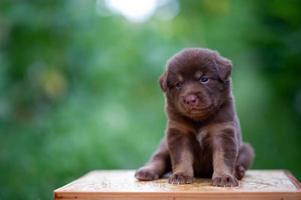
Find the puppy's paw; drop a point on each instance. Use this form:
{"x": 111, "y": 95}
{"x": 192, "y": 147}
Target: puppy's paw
{"x": 224, "y": 180}
{"x": 146, "y": 174}
{"x": 239, "y": 172}
{"x": 180, "y": 178}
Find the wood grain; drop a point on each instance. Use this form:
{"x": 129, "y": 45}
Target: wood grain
{"x": 121, "y": 184}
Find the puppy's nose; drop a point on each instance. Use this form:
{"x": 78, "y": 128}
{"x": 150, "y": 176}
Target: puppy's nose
{"x": 191, "y": 100}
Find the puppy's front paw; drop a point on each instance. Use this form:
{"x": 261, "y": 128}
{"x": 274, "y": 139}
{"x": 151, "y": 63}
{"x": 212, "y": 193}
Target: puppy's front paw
{"x": 224, "y": 180}
{"x": 146, "y": 174}
{"x": 180, "y": 178}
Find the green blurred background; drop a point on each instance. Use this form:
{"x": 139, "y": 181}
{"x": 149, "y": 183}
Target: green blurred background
{"x": 79, "y": 91}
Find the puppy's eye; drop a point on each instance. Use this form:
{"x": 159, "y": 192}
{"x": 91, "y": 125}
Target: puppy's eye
{"x": 204, "y": 79}
{"x": 179, "y": 85}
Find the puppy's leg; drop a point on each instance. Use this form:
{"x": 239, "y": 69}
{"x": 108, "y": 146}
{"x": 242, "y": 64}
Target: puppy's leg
{"x": 181, "y": 157}
{"x": 158, "y": 164}
{"x": 244, "y": 160}
{"x": 225, "y": 151}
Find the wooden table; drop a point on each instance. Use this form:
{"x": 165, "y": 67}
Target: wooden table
{"x": 121, "y": 184}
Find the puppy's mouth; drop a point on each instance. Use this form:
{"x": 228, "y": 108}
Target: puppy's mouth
{"x": 197, "y": 110}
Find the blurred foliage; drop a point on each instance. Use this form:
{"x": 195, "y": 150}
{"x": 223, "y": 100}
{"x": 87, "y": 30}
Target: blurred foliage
{"x": 78, "y": 91}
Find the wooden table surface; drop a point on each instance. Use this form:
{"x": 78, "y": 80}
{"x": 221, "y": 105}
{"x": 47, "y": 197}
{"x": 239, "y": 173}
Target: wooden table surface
{"x": 121, "y": 184}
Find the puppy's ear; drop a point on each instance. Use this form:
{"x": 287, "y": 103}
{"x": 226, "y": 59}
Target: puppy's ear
{"x": 223, "y": 66}
{"x": 163, "y": 81}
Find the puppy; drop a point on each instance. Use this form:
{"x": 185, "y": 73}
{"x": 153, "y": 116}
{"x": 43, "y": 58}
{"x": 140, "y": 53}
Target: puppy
{"x": 203, "y": 136}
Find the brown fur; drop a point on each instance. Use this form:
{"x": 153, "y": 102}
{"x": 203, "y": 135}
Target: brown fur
{"x": 203, "y": 137}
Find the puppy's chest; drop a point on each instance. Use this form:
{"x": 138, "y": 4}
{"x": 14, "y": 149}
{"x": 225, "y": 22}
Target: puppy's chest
{"x": 203, "y": 136}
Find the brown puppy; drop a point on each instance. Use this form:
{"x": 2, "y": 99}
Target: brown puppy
{"x": 203, "y": 137}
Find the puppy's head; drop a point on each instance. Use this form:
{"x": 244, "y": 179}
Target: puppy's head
{"x": 196, "y": 82}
